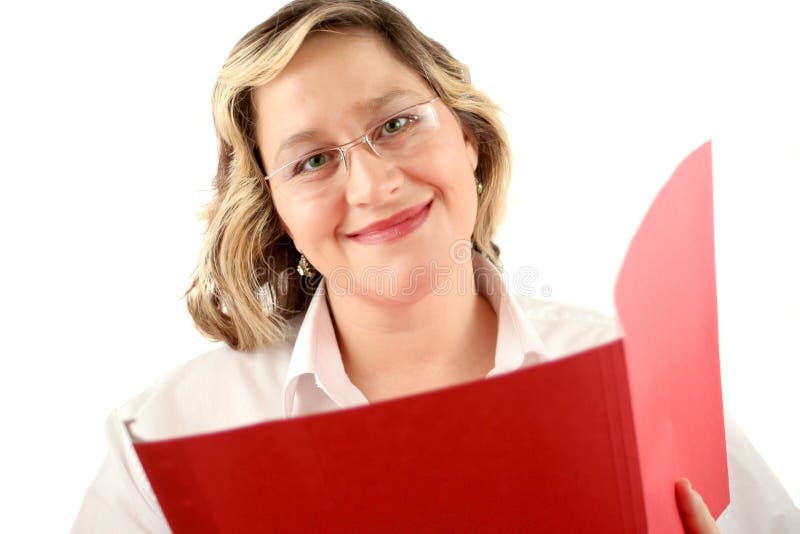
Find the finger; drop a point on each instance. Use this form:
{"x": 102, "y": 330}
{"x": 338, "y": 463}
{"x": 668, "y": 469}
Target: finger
{"x": 694, "y": 512}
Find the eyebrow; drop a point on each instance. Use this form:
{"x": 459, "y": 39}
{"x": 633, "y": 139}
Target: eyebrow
{"x": 375, "y": 104}
{"x": 371, "y": 105}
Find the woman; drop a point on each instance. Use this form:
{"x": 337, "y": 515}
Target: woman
{"x": 358, "y": 171}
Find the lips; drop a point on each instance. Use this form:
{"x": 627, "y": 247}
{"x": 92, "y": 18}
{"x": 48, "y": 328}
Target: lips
{"x": 392, "y": 228}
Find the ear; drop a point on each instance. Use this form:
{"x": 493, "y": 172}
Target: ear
{"x": 471, "y": 146}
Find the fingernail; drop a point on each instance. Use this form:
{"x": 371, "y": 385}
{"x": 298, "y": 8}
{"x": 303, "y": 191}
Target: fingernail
{"x": 688, "y": 483}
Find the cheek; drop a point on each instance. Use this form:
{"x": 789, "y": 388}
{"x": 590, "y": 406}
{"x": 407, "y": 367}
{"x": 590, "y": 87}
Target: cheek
{"x": 453, "y": 158}
{"x": 307, "y": 223}
{"x": 451, "y": 172}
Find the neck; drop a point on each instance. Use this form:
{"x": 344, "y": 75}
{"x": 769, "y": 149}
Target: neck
{"x": 439, "y": 339}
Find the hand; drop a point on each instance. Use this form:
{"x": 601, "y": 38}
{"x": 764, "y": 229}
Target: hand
{"x": 694, "y": 512}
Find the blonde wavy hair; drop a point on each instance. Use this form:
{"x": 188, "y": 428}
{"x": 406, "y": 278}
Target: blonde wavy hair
{"x": 245, "y": 288}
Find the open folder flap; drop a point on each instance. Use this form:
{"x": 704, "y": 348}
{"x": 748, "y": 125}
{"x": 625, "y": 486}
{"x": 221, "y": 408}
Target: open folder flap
{"x": 666, "y": 301}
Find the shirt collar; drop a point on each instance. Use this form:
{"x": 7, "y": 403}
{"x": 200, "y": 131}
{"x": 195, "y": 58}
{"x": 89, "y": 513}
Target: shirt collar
{"x": 518, "y": 343}
{"x": 316, "y": 352}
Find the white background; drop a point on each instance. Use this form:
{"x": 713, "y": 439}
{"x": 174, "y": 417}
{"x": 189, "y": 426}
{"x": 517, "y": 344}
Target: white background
{"x": 108, "y": 152}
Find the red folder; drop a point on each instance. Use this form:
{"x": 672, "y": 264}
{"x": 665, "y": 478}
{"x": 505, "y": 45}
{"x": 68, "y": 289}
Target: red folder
{"x": 593, "y": 442}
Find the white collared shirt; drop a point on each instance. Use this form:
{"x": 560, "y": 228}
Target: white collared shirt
{"x": 316, "y": 354}
{"x": 226, "y": 388}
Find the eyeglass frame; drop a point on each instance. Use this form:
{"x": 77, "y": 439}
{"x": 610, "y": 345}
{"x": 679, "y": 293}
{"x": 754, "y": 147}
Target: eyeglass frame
{"x": 344, "y": 148}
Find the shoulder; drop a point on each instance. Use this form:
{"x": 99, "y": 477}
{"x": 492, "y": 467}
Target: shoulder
{"x": 222, "y": 388}
{"x": 566, "y": 328}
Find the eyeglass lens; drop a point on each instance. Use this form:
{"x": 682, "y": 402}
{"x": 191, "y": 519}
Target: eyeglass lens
{"x": 395, "y": 139}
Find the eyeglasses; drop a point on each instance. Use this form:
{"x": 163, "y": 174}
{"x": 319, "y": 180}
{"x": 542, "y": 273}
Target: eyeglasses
{"x": 395, "y": 138}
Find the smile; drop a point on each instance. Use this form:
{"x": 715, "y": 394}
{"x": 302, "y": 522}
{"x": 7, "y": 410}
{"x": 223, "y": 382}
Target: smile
{"x": 395, "y": 227}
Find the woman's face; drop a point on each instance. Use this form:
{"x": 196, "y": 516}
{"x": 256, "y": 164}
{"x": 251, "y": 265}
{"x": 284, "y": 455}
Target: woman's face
{"x": 335, "y": 88}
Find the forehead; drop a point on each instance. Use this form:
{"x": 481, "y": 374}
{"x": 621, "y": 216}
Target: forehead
{"x": 333, "y": 79}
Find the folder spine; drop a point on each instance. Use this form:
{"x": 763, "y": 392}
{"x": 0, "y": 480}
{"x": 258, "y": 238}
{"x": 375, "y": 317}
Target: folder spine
{"x": 623, "y": 438}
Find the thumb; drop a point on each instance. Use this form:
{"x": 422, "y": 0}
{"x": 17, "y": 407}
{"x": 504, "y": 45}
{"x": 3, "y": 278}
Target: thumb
{"x": 694, "y": 512}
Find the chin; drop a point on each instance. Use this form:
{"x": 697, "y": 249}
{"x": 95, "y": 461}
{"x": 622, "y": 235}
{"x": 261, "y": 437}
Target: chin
{"x": 405, "y": 275}
{"x": 405, "y": 283}
{"x": 402, "y": 295}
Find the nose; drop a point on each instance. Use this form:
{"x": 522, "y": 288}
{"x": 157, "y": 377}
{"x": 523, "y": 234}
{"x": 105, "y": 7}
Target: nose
{"x": 371, "y": 179}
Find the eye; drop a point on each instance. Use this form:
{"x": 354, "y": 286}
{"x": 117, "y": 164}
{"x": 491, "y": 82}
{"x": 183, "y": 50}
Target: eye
{"x": 312, "y": 163}
{"x": 316, "y": 161}
{"x": 394, "y": 125}
{"x": 396, "y": 129}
